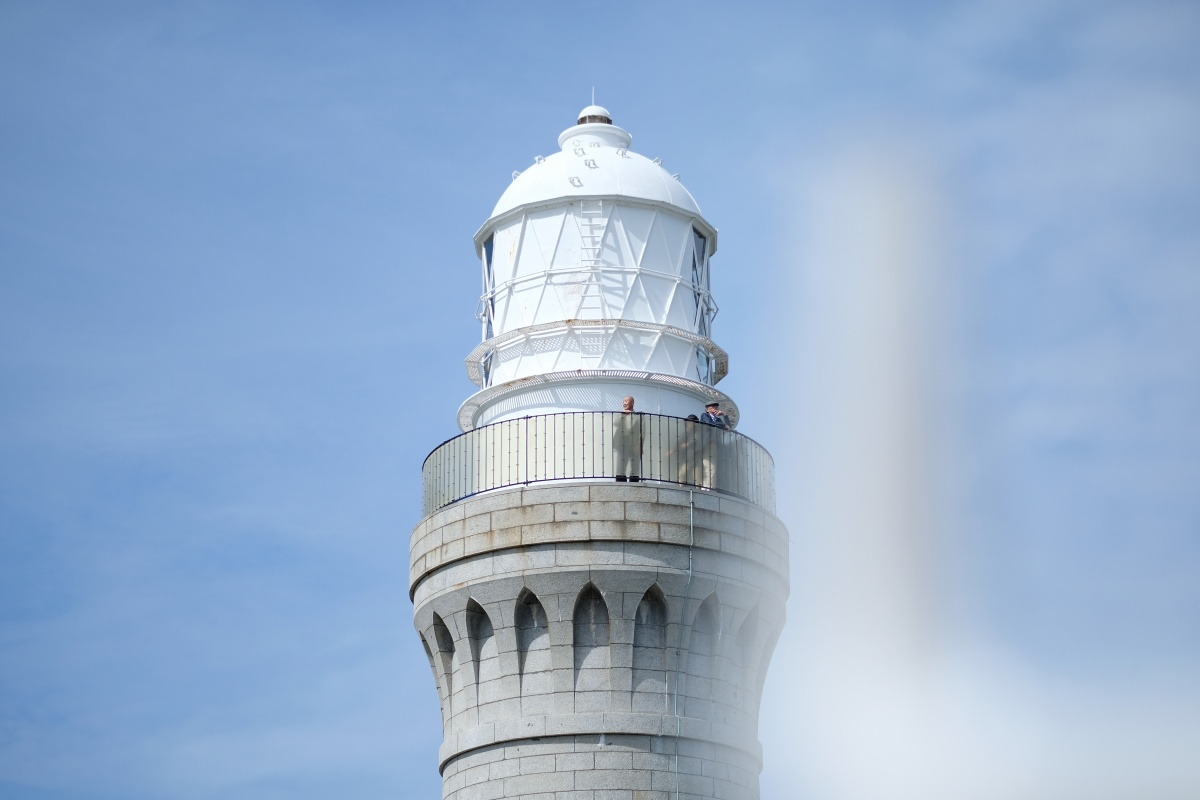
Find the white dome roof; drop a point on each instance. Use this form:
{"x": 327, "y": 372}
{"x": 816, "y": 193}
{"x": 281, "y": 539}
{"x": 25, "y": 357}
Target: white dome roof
{"x": 595, "y": 111}
{"x": 594, "y": 162}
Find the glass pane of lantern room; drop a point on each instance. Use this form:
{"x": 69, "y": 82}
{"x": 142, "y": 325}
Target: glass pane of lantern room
{"x": 489, "y": 286}
{"x": 700, "y": 281}
{"x": 700, "y": 252}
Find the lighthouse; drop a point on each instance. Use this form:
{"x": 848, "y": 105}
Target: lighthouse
{"x": 598, "y": 581}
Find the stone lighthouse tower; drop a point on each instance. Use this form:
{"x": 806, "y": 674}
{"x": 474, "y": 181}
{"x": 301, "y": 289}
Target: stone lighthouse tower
{"x": 598, "y": 587}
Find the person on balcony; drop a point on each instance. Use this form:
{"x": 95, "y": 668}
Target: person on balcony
{"x": 627, "y": 443}
{"x": 712, "y": 442}
{"x": 713, "y": 415}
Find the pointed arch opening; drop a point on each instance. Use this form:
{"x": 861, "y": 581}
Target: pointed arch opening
{"x": 702, "y": 651}
{"x": 485, "y": 659}
{"x": 533, "y": 654}
{"x": 650, "y": 652}
{"x": 437, "y": 677}
{"x": 764, "y": 662}
{"x": 444, "y": 656}
{"x": 746, "y": 663}
{"x": 591, "y": 648}
{"x": 481, "y": 635}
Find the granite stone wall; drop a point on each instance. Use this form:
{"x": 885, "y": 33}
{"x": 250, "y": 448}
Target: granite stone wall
{"x": 558, "y": 614}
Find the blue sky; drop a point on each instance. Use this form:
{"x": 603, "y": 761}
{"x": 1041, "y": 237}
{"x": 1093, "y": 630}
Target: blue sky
{"x": 237, "y": 285}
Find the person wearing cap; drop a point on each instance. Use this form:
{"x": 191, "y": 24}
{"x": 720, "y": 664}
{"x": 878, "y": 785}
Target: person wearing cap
{"x": 714, "y": 417}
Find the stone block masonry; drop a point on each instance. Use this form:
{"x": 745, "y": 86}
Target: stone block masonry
{"x": 599, "y": 641}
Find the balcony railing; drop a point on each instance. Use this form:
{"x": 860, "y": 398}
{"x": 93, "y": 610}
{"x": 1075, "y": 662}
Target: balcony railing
{"x": 598, "y": 445}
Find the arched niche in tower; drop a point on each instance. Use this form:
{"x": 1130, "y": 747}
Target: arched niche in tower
{"x": 445, "y": 661}
{"x": 650, "y": 652}
{"x": 591, "y": 646}
{"x": 702, "y": 649}
{"x": 482, "y": 638}
{"x": 764, "y": 662}
{"x": 745, "y": 657}
{"x": 533, "y": 653}
{"x": 437, "y": 677}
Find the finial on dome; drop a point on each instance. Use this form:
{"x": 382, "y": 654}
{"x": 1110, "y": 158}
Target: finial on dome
{"x": 595, "y": 113}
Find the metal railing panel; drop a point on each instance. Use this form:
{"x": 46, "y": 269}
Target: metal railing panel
{"x": 598, "y": 445}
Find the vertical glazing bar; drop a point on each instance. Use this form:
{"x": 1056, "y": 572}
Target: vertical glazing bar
{"x": 606, "y": 421}
{"x": 657, "y": 456}
{"x": 671, "y": 468}
{"x": 762, "y": 482}
{"x": 641, "y": 444}
{"x": 600, "y": 444}
{"x": 606, "y": 449}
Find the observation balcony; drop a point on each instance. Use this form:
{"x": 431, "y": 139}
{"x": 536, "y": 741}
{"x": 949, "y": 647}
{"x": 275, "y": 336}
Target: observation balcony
{"x": 594, "y": 446}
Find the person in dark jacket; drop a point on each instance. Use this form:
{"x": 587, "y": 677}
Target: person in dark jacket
{"x": 713, "y": 415}
{"x": 711, "y": 442}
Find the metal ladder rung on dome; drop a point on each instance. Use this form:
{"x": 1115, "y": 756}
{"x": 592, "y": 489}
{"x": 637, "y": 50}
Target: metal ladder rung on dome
{"x": 591, "y": 231}
{"x": 591, "y": 298}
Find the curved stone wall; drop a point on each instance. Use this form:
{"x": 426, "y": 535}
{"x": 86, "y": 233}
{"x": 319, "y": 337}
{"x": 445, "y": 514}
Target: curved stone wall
{"x": 552, "y": 615}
